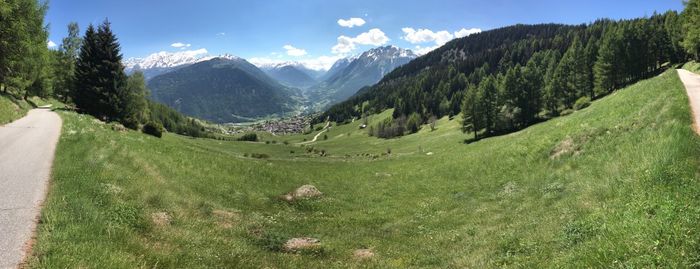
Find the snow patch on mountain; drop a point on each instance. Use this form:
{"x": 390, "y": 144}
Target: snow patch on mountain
{"x": 166, "y": 59}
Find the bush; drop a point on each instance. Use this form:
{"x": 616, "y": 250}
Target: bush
{"x": 582, "y": 103}
{"x": 154, "y": 129}
{"x": 249, "y": 137}
{"x": 259, "y": 155}
{"x": 566, "y": 112}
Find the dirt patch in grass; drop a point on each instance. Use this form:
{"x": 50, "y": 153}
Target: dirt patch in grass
{"x": 363, "y": 254}
{"x": 509, "y": 189}
{"x": 566, "y": 146}
{"x": 225, "y": 219}
{"x": 161, "y": 219}
{"x": 301, "y": 244}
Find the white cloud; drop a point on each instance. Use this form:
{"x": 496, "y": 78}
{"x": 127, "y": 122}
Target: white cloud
{"x": 374, "y": 37}
{"x": 51, "y": 44}
{"x": 221, "y": 34}
{"x": 180, "y": 45}
{"x": 292, "y": 51}
{"x": 424, "y": 50}
{"x": 345, "y": 45}
{"x": 351, "y": 22}
{"x": 425, "y": 35}
{"x": 439, "y": 38}
{"x": 467, "y": 32}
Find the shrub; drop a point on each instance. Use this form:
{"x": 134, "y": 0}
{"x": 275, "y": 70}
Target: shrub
{"x": 566, "y": 112}
{"x": 154, "y": 129}
{"x": 582, "y": 103}
{"x": 259, "y": 155}
{"x": 249, "y": 137}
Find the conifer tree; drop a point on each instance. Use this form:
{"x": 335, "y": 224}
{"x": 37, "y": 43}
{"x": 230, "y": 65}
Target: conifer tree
{"x": 691, "y": 26}
{"x": 487, "y": 98}
{"x": 471, "y": 114}
{"x": 102, "y": 89}
{"x": 88, "y": 94}
{"x": 24, "y": 60}
{"x": 605, "y": 68}
{"x": 64, "y": 63}
{"x": 133, "y": 106}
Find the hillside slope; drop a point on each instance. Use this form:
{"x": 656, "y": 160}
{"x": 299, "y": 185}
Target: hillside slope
{"x": 222, "y": 90}
{"x": 347, "y": 76}
{"x": 613, "y": 185}
{"x": 291, "y": 76}
{"x": 12, "y": 109}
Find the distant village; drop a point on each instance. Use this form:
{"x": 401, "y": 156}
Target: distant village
{"x": 292, "y": 125}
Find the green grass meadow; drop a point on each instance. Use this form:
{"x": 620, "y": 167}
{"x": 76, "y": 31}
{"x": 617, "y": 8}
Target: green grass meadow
{"x": 612, "y": 185}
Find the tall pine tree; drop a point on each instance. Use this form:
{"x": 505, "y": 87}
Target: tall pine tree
{"x": 605, "y": 68}
{"x": 65, "y": 60}
{"x": 691, "y": 26}
{"x": 103, "y": 89}
{"x": 88, "y": 92}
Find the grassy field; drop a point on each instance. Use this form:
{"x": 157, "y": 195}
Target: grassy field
{"x": 613, "y": 185}
{"x": 12, "y": 109}
{"x": 692, "y": 66}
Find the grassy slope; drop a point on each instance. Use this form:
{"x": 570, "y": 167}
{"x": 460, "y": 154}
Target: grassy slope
{"x": 625, "y": 194}
{"x": 12, "y": 109}
{"x": 692, "y": 66}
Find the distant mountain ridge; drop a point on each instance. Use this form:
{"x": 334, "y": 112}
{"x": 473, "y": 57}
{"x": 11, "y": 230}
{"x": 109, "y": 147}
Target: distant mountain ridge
{"x": 163, "y": 62}
{"x": 347, "y": 76}
{"x": 231, "y": 89}
{"x": 293, "y": 74}
{"x": 224, "y": 89}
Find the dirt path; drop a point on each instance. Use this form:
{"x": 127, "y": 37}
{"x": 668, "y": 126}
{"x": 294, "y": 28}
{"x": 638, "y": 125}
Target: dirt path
{"x": 692, "y": 86}
{"x": 325, "y": 129}
{"x": 27, "y": 149}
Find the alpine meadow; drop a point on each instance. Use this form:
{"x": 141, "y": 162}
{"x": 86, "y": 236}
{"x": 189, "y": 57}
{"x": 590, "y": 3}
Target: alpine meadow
{"x": 349, "y": 134}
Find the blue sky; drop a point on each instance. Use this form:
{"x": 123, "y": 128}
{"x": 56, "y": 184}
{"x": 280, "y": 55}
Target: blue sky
{"x": 310, "y": 29}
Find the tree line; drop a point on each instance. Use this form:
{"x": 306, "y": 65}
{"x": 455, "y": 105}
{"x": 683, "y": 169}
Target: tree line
{"x": 86, "y": 72}
{"x": 509, "y": 78}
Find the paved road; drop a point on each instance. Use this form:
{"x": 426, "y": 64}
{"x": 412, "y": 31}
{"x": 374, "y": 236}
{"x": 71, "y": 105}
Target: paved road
{"x": 26, "y": 153}
{"x": 692, "y": 86}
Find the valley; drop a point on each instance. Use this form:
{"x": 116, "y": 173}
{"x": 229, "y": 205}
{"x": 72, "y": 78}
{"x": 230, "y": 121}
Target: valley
{"x": 568, "y": 197}
{"x": 349, "y": 134}
{"x": 247, "y": 93}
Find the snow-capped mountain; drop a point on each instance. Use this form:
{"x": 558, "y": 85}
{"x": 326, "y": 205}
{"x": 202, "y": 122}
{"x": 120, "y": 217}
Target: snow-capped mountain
{"x": 349, "y": 75}
{"x": 163, "y": 62}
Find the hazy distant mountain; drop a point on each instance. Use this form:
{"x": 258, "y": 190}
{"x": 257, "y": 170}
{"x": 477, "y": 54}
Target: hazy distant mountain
{"x": 338, "y": 66}
{"x": 223, "y": 89}
{"x": 349, "y": 75}
{"x": 292, "y": 74}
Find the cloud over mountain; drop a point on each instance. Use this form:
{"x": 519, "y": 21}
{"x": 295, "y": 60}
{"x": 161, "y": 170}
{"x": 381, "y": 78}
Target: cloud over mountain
{"x": 374, "y": 37}
{"x": 351, "y": 22}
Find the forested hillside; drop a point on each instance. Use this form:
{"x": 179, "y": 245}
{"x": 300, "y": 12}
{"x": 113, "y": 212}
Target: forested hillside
{"x": 223, "y": 90}
{"x": 508, "y": 78}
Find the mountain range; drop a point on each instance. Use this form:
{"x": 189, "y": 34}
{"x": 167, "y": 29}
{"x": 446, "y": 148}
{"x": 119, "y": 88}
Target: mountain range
{"x": 347, "y": 76}
{"x": 224, "y": 89}
{"x": 227, "y": 88}
{"x": 293, "y": 74}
